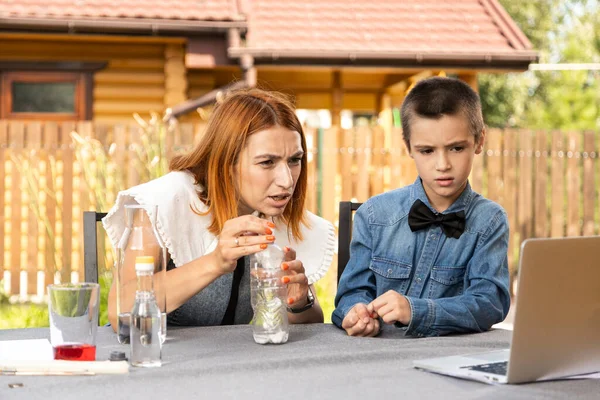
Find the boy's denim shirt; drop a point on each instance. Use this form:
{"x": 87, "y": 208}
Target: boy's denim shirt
{"x": 452, "y": 285}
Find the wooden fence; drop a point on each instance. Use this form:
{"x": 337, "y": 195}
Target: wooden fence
{"x": 548, "y": 182}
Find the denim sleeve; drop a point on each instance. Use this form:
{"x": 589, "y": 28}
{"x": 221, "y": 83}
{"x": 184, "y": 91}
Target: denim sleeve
{"x": 486, "y": 298}
{"x": 357, "y": 284}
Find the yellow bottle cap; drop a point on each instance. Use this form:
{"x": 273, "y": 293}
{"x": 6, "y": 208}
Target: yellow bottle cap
{"x": 144, "y": 260}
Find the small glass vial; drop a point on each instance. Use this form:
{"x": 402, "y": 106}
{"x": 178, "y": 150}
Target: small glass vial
{"x": 268, "y": 296}
{"x": 146, "y": 318}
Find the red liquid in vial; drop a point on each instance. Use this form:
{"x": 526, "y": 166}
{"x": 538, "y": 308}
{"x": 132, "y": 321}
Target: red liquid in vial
{"x": 75, "y": 352}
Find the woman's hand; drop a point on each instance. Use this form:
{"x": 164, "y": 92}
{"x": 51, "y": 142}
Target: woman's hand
{"x": 240, "y": 237}
{"x": 296, "y": 280}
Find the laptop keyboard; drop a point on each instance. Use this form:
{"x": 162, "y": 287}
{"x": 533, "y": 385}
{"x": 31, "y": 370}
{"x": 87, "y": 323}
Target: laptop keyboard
{"x": 498, "y": 368}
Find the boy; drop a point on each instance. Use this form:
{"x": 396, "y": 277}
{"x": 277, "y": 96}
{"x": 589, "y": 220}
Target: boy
{"x": 430, "y": 258}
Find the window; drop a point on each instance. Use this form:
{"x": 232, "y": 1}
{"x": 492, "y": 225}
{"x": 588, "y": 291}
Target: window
{"x": 43, "y": 95}
{"x": 40, "y": 97}
{"x": 47, "y": 91}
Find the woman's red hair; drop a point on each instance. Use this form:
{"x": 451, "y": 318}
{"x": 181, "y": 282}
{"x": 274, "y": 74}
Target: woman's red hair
{"x": 212, "y": 161}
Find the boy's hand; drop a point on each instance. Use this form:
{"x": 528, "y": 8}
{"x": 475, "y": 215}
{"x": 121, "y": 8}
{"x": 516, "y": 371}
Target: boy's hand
{"x": 392, "y": 307}
{"x": 358, "y": 321}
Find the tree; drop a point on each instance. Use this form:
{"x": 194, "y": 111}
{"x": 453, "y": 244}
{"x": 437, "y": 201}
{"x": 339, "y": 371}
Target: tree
{"x": 562, "y": 32}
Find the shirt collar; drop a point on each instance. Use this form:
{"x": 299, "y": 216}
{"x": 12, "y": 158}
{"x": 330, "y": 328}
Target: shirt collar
{"x": 460, "y": 204}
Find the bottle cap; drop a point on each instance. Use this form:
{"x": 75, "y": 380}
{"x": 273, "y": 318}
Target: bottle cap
{"x": 116, "y": 355}
{"x": 144, "y": 263}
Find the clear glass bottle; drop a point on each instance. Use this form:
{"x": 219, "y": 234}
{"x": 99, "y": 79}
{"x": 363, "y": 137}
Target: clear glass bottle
{"x": 146, "y": 318}
{"x": 139, "y": 238}
{"x": 268, "y": 296}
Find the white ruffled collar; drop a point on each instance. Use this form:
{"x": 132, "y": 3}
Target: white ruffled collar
{"x": 185, "y": 233}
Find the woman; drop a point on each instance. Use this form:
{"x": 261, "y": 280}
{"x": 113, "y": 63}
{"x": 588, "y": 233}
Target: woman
{"x": 242, "y": 187}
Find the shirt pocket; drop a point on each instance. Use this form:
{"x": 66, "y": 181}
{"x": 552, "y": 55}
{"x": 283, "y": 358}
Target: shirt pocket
{"x": 390, "y": 275}
{"x": 446, "y": 282}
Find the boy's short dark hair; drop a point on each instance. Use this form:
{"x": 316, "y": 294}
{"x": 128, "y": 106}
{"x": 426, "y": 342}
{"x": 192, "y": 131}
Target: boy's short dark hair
{"x": 435, "y": 97}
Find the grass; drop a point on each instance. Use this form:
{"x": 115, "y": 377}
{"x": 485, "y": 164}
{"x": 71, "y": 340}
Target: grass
{"x": 325, "y": 289}
{"x": 33, "y": 315}
{"x": 27, "y": 315}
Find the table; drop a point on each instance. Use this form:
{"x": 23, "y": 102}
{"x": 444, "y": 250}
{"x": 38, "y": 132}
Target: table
{"x": 318, "y": 362}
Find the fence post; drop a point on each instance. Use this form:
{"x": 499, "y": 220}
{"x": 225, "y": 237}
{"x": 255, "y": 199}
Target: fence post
{"x": 3, "y": 150}
{"x": 67, "y": 200}
{"x": 573, "y": 183}
{"x": 347, "y": 151}
{"x": 558, "y": 176}
{"x": 328, "y": 173}
{"x": 34, "y": 146}
{"x": 363, "y": 162}
{"x": 541, "y": 185}
{"x": 588, "y": 183}
{"x": 510, "y": 193}
{"x": 376, "y": 177}
{"x": 494, "y": 170}
{"x": 17, "y": 143}
{"x": 525, "y": 208}
{"x": 395, "y": 158}
{"x": 311, "y": 164}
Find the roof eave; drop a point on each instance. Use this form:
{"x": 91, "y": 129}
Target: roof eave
{"x": 154, "y": 27}
{"x": 516, "y": 60}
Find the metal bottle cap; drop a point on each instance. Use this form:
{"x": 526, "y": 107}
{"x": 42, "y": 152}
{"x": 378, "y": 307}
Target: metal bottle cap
{"x": 116, "y": 355}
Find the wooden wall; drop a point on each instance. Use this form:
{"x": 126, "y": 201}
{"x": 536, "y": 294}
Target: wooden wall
{"x": 145, "y": 74}
{"x": 142, "y": 74}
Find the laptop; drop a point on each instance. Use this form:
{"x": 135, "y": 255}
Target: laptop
{"x": 556, "y": 331}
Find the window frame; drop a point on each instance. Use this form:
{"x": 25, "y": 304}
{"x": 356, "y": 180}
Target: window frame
{"x": 82, "y": 74}
{"x": 43, "y": 77}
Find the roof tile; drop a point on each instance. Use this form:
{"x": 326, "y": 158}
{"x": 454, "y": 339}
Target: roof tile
{"x": 217, "y": 10}
{"x": 385, "y": 25}
{"x": 331, "y": 25}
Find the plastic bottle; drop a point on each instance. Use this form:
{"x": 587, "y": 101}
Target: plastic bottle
{"x": 268, "y": 296}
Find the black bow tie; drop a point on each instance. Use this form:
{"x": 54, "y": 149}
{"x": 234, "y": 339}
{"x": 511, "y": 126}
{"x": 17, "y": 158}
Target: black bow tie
{"x": 421, "y": 217}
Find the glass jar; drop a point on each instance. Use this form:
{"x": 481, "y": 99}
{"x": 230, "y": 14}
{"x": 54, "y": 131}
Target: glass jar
{"x": 139, "y": 239}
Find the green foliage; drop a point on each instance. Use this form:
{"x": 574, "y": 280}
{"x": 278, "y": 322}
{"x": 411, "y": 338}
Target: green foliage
{"x": 325, "y": 290}
{"x": 31, "y": 315}
{"x": 568, "y": 102}
{"x": 27, "y": 315}
{"x": 105, "y": 280}
{"x": 3, "y": 296}
{"x": 563, "y": 31}
{"x": 503, "y": 98}
{"x": 67, "y": 303}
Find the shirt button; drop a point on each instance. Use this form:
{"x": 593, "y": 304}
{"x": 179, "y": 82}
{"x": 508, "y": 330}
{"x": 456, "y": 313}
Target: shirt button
{"x": 418, "y": 279}
{"x": 390, "y": 271}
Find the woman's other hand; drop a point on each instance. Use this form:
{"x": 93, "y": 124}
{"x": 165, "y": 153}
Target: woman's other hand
{"x": 296, "y": 280}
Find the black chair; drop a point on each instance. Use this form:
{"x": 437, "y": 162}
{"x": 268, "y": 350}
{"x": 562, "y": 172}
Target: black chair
{"x": 90, "y": 245}
{"x": 345, "y": 234}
